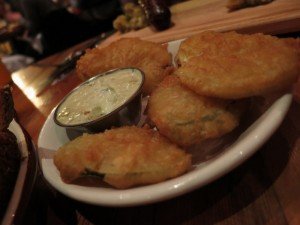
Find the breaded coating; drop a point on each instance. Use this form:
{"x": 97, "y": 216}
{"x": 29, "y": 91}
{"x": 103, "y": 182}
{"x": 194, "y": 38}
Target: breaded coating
{"x": 215, "y": 44}
{"x": 234, "y": 66}
{"x": 210, "y": 43}
{"x": 187, "y": 118}
{"x": 126, "y": 156}
{"x": 152, "y": 58}
{"x": 6, "y": 107}
{"x": 294, "y": 43}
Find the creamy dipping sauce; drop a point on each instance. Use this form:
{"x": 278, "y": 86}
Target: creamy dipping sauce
{"x": 99, "y": 97}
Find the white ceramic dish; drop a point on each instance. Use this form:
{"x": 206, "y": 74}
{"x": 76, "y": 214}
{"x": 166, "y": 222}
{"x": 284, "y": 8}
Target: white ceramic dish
{"x": 52, "y": 137}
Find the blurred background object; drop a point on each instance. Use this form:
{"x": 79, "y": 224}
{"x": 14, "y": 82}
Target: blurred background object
{"x": 5, "y": 77}
{"x": 133, "y": 18}
{"x": 238, "y": 4}
{"x": 65, "y": 23}
{"x": 141, "y": 13}
{"x": 33, "y": 29}
{"x": 157, "y": 12}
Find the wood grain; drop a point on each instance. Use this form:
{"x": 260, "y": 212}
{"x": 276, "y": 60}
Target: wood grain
{"x": 192, "y": 17}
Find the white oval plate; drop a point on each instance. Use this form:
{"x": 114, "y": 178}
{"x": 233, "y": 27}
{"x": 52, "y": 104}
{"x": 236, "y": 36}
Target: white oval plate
{"x": 52, "y": 137}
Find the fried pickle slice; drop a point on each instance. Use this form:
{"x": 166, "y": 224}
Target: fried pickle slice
{"x": 126, "y": 156}
{"x": 234, "y": 66}
{"x": 294, "y": 43}
{"x": 209, "y": 43}
{"x": 187, "y": 118}
{"x": 215, "y": 44}
{"x": 152, "y": 58}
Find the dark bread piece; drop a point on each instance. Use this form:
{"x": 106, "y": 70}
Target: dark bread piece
{"x": 6, "y": 107}
{"x": 9, "y": 167}
{"x": 9, "y": 152}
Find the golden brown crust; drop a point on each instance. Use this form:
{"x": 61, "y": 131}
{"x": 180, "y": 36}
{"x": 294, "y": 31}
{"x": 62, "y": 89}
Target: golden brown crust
{"x": 153, "y": 59}
{"x": 294, "y": 43}
{"x": 187, "y": 118}
{"x": 127, "y": 156}
{"x": 209, "y": 43}
{"x": 234, "y": 66}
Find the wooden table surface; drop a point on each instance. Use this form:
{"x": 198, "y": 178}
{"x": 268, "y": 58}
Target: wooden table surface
{"x": 264, "y": 190}
{"x": 194, "y": 16}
